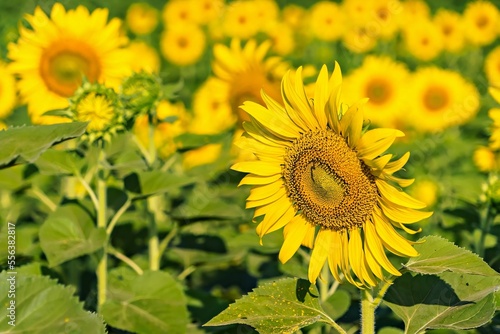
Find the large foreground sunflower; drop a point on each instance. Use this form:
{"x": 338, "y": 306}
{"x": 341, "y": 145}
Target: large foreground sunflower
{"x": 51, "y": 57}
{"x": 326, "y": 182}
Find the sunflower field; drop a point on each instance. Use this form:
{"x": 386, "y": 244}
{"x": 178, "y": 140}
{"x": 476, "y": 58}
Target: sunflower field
{"x": 249, "y": 166}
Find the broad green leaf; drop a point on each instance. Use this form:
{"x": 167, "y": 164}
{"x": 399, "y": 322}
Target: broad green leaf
{"x": 283, "y": 306}
{"x": 390, "y": 330}
{"x": 337, "y": 304}
{"x": 70, "y": 232}
{"x": 438, "y": 255}
{"x": 154, "y": 182}
{"x": 150, "y": 303}
{"x": 448, "y": 300}
{"x": 55, "y": 162}
{"x": 25, "y": 144}
{"x": 43, "y": 306}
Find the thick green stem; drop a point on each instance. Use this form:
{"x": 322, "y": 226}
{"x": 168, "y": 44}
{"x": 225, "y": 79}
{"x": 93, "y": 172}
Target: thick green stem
{"x": 367, "y": 312}
{"x": 102, "y": 267}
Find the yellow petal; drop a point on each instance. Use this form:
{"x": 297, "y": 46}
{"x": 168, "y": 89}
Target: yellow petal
{"x": 396, "y": 165}
{"x": 401, "y": 182}
{"x": 300, "y": 108}
{"x": 376, "y": 141}
{"x": 294, "y": 233}
{"x": 248, "y": 143}
{"x": 391, "y": 240}
{"x": 278, "y": 124}
{"x": 321, "y": 97}
{"x": 261, "y": 192}
{"x": 252, "y": 204}
{"x": 351, "y": 123}
{"x": 308, "y": 240}
{"x": 397, "y": 196}
{"x": 259, "y": 180}
{"x": 319, "y": 253}
{"x": 375, "y": 247}
{"x": 261, "y": 168}
{"x": 402, "y": 214}
{"x": 495, "y": 92}
{"x": 277, "y": 218}
{"x": 262, "y": 135}
{"x": 335, "y": 255}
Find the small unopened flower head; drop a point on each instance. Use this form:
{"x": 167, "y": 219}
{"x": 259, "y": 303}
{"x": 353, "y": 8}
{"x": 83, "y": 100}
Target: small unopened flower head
{"x": 140, "y": 93}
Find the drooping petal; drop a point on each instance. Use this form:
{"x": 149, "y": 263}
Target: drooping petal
{"x": 319, "y": 253}
{"x": 398, "y": 197}
{"x": 294, "y": 233}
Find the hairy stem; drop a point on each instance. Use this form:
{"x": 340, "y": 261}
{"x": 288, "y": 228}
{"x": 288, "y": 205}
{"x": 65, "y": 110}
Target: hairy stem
{"x": 102, "y": 267}
{"x": 367, "y": 312}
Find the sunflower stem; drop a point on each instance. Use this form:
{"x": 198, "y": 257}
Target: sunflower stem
{"x": 486, "y": 221}
{"x": 153, "y": 243}
{"x": 367, "y": 312}
{"x": 102, "y": 266}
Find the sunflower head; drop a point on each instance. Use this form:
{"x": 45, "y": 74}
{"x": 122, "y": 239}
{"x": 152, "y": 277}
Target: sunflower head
{"x": 246, "y": 70}
{"x": 327, "y": 182}
{"x": 99, "y": 106}
{"x": 54, "y": 53}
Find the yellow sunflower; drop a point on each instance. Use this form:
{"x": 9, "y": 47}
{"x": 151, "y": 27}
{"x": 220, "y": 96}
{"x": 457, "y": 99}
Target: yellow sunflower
{"x": 492, "y": 67}
{"x": 379, "y": 79}
{"x": 484, "y": 159}
{"x": 326, "y": 21}
{"x": 413, "y": 11}
{"x": 326, "y": 182}
{"x": 481, "y": 20}
{"x": 7, "y": 91}
{"x": 177, "y": 12}
{"x": 440, "y": 99}
{"x": 358, "y": 39}
{"x": 246, "y": 71}
{"x": 145, "y": 57}
{"x": 385, "y": 18}
{"x": 424, "y": 41}
{"x": 211, "y": 110}
{"x": 240, "y": 20}
{"x": 450, "y": 24}
{"x": 207, "y": 10}
{"x": 282, "y": 37}
{"x": 183, "y": 44}
{"x": 51, "y": 57}
{"x": 142, "y": 18}
{"x": 495, "y": 132}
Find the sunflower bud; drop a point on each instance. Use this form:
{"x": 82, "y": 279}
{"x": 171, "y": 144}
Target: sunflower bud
{"x": 140, "y": 93}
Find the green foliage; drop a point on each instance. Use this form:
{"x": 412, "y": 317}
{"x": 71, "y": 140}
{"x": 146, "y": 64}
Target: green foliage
{"x": 43, "y": 306}
{"x": 70, "y": 232}
{"x": 149, "y": 303}
{"x": 283, "y": 306}
{"x": 25, "y": 144}
{"x": 449, "y": 288}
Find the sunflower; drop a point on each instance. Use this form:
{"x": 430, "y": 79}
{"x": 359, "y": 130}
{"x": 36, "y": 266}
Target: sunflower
{"x": 424, "y": 41}
{"x": 240, "y": 20}
{"x": 492, "y": 67}
{"x": 450, "y": 24}
{"x": 145, "y": 57}
{"x": 495, "y": 132}
{"x": 183, "y": 44}
{"x": 142, "y": 18}
{"x": 484, "y": 159}
{"x": 384, "y": 17}
{"x": 212, "y": 113}
{"x": 481, "y": 19}
{"x": 326, "y": 21}
{"x": 379, "y": 79}
{"x": 207, "y": 10}
{"x": 51, "y": 57}
{"x": 325, "y": 181}
{"x": 7, "y": 92}
{"x": 246, "y": 71}
{"x": 441, "y": 98}
{"x": 281, "y": 34}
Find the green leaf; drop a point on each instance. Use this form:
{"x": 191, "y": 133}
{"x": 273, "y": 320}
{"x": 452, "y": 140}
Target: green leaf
{"x": 154, "y": 182}
{"x": 25, "y": 144}
{"x": 54, "y": 162}
{"x": 390, "y": 330}
{"x": 43, "y": 306}
{"x": 438, "y": 255}
{"x": 283, "y": 306}
{"x": 70, "y": 232}
{"x": 447, "y": 300}
{"x": 337, "y": 304}
{"x": 460, "y": 294}
{"x": 150, "y": 303}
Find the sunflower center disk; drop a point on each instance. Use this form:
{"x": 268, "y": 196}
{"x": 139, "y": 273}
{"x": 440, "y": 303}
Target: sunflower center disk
{"x": 327, "y": 182}
{"x": 63, "y": 65}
